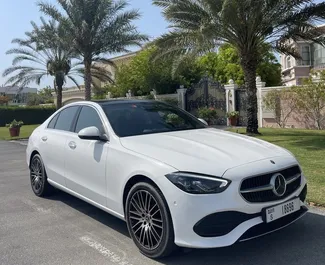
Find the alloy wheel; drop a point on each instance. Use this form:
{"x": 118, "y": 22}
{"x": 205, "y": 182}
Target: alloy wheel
{"x": 37, "y": 174}
{"x": 146, "y": 219}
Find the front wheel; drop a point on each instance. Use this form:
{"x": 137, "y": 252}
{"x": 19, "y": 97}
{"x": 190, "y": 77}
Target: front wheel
{"x": 149, "y": 222}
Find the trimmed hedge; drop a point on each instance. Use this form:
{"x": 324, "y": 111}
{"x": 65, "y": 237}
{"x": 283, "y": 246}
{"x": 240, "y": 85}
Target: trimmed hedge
{"x": 29, "y": 115}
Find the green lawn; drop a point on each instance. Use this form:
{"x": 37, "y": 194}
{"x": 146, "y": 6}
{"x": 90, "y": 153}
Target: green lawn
{"x": 25, "y": 132}
{"x": 309, "y": 148}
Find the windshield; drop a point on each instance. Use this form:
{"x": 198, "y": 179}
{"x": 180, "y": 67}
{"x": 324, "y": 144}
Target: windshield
{"x": 129, "y": 119}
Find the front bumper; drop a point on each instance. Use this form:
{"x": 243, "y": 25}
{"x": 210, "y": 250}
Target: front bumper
{"x": 219, "y": 220}
{"x": 224, "y": 228}
{"x": 222, "y": 223}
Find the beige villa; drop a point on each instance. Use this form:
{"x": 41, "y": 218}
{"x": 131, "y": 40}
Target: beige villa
{"x": 312, "y": 57}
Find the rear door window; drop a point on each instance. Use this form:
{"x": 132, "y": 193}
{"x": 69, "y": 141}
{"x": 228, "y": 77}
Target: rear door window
{"x": 52, "y": 123}
{"x": 66, "y": 118}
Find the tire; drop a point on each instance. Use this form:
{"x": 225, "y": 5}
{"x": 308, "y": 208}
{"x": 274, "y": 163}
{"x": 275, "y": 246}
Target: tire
{"x": 38, "y": 177}
{"x": 151, "y": 231}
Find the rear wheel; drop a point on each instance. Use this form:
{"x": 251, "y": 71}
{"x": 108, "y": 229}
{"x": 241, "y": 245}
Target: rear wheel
{"x": 149, "y": 222}
{"x": 38, "y": 178}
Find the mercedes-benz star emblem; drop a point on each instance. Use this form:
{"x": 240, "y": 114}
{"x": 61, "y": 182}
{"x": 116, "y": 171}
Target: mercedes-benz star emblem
{"x": 279, "y": 184}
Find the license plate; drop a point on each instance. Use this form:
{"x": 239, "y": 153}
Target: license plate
{"x": 281, "y": 210}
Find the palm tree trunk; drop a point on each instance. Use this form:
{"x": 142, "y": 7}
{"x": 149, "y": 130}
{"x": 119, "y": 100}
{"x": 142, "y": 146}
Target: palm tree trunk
{"x": 87, "y": 77}
{"x": 54, "y": 85}
{"x": 59, "y": 81}
{"x": 249, "y": 67}
{"x": 59, "y": 97}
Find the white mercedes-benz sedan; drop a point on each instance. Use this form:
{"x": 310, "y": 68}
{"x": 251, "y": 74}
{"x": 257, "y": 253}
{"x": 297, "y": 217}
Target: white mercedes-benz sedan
{"x": 174, "y": 180}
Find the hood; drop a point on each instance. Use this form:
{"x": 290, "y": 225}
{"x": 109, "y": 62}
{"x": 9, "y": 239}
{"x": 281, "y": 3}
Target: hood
{"x": 209, "y": 151}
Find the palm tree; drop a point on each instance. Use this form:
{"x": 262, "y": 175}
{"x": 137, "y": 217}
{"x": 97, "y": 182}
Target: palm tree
{"x": 47, "y": 54}
{"x": 96, "y": 27}
{"x": 50, "y": 62}
{"x": 200, "y": 26}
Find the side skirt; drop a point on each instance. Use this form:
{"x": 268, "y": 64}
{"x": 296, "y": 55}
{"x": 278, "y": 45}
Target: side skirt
{"x": 75, "y": 194}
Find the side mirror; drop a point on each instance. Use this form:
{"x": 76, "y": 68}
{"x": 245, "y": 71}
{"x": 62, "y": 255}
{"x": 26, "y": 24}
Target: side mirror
{"x": 203, "y": 121}
{"x": 92, "y": 133}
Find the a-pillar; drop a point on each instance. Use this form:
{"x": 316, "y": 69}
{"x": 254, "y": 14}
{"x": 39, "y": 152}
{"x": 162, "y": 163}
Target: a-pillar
{"x": 231, "y": 97}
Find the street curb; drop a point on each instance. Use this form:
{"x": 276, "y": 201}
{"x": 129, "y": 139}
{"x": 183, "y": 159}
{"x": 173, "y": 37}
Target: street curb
{"x": 23, "y": 142}
{"x": 317, "y": 210}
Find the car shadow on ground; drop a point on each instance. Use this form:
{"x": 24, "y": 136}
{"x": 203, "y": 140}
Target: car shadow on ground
{"x": 300, "y": 243}
{"x": 91, "y": 211}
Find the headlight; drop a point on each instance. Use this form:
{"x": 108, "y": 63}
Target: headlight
{"x": 198, "y": 184}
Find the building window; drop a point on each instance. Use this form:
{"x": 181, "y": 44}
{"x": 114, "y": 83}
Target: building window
{"x": 288, "y": 62}
{"x": 305, "y": 54}
{"x": 319, "y": 55}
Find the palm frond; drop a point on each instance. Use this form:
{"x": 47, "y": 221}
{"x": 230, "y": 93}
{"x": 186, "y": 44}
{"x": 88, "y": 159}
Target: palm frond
{"x": 21, "y": 58}
{"x": 197, "y": 26}
{"x": 74, "y": 81}
{"x": 25, "y": 78}
{"x": 164, "y": 3}
{"x": 50, "y": 10}
{"x": 23, "y": 69}
{"x": 101, "y": 74}
{"x": 177, "y": 44}
{"x": 98, "y": 72}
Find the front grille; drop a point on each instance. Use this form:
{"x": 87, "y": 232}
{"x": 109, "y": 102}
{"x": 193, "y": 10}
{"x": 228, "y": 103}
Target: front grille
{"x": 264, "y": 180}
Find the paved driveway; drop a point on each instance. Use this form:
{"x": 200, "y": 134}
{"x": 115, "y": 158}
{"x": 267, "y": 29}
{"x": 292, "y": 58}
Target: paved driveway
{"x": 65, "y": 230}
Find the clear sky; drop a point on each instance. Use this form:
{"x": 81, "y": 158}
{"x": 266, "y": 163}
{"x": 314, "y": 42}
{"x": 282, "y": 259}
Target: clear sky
{"x": 15, "y": 17}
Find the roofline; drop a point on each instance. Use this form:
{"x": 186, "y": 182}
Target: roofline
{"x": 108, "y": 102}
{"x": 125, "y": 55}
{"x": 117, "y": 101}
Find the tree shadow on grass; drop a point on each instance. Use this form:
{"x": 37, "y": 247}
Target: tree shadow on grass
{"x": 292, "y": 132}
{"x": 311, "y": 143}
{"x": 305, "y": 139}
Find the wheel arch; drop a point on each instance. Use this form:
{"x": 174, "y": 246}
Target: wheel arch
{"x": 33, "y": 153}
{"x": 136, "y": 179}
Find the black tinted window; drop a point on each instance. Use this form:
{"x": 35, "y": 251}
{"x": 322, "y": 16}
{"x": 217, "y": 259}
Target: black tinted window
{"x": 128, "y": 119}
{"x": 66, "y": 118}
{"x": 88, "y": 117}
{"x": 53, "y": 121}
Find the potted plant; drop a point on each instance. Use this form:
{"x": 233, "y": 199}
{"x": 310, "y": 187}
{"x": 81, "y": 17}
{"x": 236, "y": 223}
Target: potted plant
{"x": 208, "y": 114}
{"x": 14, "y": 128}
{"x": 233, "y": 117}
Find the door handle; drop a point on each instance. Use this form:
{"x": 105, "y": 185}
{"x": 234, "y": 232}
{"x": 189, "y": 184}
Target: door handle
{"x": 72, "y": 145}
{"x": 44, "y": 138}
